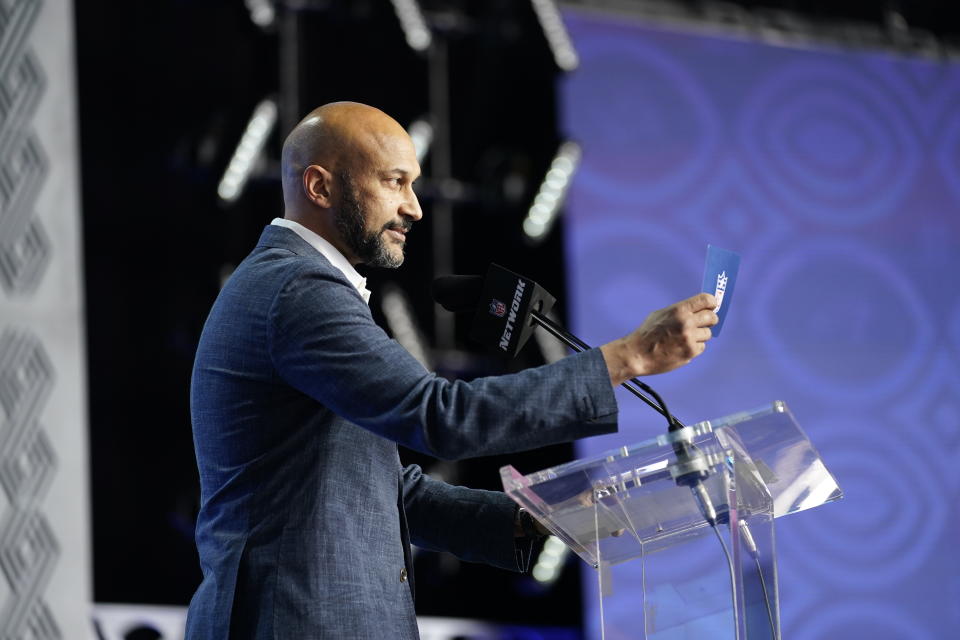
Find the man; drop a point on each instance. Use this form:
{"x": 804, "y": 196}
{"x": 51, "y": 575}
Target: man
{"x": 298, "y": 400}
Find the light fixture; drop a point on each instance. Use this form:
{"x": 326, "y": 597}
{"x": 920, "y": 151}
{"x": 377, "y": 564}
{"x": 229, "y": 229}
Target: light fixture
{"x": 550, "y": 561}
{"x": 556, "y": 33}
{"x": 421, "y": 133}
{"x": 248, "y": 151}
{"x": 262, "y": 12}
{"x": 414, "y": 27}
{"x": 552, "y": 193}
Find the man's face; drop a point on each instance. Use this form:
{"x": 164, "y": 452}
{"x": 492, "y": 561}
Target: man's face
{"x": 377, "y": 207}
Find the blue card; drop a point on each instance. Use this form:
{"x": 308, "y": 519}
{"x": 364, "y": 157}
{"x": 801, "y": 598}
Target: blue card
{"x": 719, "y": 276}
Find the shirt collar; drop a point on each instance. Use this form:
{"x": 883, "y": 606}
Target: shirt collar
{"x": 329, "y": 252}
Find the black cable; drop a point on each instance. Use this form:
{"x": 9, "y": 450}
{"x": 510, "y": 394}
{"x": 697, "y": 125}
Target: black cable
{"x": 751, "y": 547}
{"x": 733, "y": 576}
{"x": 766, "y": 601}
{"x": 766, "y": 594}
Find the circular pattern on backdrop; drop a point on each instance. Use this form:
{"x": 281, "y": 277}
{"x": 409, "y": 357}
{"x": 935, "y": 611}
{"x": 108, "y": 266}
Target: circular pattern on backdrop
{"x": 891, "y": 518}
{"x": 828, "y": 143}
{"x": 616, "y": 272}
{"x": 948, "y": 153}
{"x": 929, "y": 415}
{"x": 652, "y": 122}
{"x": 731, "y": 211}
{"x": 841, "y": 320}
{"x": 842, "y": 618}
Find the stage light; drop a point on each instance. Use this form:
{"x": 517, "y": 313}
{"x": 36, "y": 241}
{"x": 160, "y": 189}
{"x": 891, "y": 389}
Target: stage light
{"x": 556, "y": 33}
{"x": 398, "y": 313}
{"x": 550, "y": 562}
{"x": 552, "y": 193}
{"x": 262, "y": 12}
{"x": 248, "y": 151}
{"x": 421, "y": 133}
{"x": 414, "y": 26}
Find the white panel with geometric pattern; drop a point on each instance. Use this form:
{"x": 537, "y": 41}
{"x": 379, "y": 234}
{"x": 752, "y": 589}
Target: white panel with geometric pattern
{"x": 44, "y": 515}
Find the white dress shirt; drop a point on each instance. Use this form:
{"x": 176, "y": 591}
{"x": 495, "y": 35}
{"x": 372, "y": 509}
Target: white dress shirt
{"x": 329, "y": 252}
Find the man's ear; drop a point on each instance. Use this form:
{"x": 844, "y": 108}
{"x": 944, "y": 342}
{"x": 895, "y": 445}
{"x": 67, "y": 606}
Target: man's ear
{"x": 317, "y": 182}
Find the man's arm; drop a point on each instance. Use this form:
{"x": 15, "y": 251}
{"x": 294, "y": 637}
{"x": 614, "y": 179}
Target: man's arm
{"x": 669, "y": 338}
{"x": 323, "y": 341}
{"x": 472, "y": 524}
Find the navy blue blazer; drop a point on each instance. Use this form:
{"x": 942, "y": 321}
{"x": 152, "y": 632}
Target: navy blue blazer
{"x": 298, "y": 400}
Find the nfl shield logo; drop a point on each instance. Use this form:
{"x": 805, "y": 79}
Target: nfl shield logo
{"x": 497, "y": 308}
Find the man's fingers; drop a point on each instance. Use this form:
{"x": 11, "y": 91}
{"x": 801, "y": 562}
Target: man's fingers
{"x": 705, "y": 318}
{"x": 667, "y": 339}
{"x": 701, "y": 301}
{"x": 701, "y": 335}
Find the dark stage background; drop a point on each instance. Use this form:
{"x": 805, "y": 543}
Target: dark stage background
{"x": 166, "y": 90}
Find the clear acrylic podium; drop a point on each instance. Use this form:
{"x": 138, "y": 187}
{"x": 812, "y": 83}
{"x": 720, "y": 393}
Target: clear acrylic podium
{"x": 636, "y": 504}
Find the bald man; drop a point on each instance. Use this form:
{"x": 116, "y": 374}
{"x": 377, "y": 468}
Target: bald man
{"x": 299, "y": 399}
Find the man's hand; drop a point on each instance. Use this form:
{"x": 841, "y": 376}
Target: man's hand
{"x": 667, "y": 339}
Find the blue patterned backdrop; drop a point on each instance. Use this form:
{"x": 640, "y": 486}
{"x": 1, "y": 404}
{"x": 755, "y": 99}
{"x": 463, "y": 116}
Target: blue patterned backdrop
{"x": 836, "y": 174}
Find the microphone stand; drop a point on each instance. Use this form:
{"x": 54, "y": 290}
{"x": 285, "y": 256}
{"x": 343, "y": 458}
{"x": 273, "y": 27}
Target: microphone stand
{"x": 693, "y": 479}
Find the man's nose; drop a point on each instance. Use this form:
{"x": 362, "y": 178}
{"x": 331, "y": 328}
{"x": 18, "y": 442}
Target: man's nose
{"x": 411, "y": 207}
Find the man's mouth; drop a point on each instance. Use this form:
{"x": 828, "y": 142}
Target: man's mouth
{"x": 398, "y": 231}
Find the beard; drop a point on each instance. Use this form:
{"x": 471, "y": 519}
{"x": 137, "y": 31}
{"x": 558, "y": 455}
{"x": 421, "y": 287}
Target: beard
{"x": 351, "y": 222}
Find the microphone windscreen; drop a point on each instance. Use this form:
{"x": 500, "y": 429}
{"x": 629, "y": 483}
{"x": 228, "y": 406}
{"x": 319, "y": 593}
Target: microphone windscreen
{"x": 502, "y": 320}
{"x": 458, "y": 294}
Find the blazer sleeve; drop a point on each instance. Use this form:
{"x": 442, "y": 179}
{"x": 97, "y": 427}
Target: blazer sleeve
{"x": 472, "y": 524}
{"x": 323, "y": 341}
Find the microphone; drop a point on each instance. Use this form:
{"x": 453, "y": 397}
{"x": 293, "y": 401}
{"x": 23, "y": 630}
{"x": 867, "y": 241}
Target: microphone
{"x": 502, "y": 318}
{"x": 502, "y": 304}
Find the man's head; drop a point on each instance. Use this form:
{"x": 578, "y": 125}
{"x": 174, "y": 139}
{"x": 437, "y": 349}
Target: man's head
{"x": 348, "y": 173}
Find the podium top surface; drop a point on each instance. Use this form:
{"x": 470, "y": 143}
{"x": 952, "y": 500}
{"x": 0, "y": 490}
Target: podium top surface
{"x": 785, "y": 459}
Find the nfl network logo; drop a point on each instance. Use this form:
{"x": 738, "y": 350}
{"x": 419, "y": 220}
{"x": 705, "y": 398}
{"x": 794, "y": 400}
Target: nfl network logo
{"x": 497, "y": 308}
{"x": 721, "y": 289}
